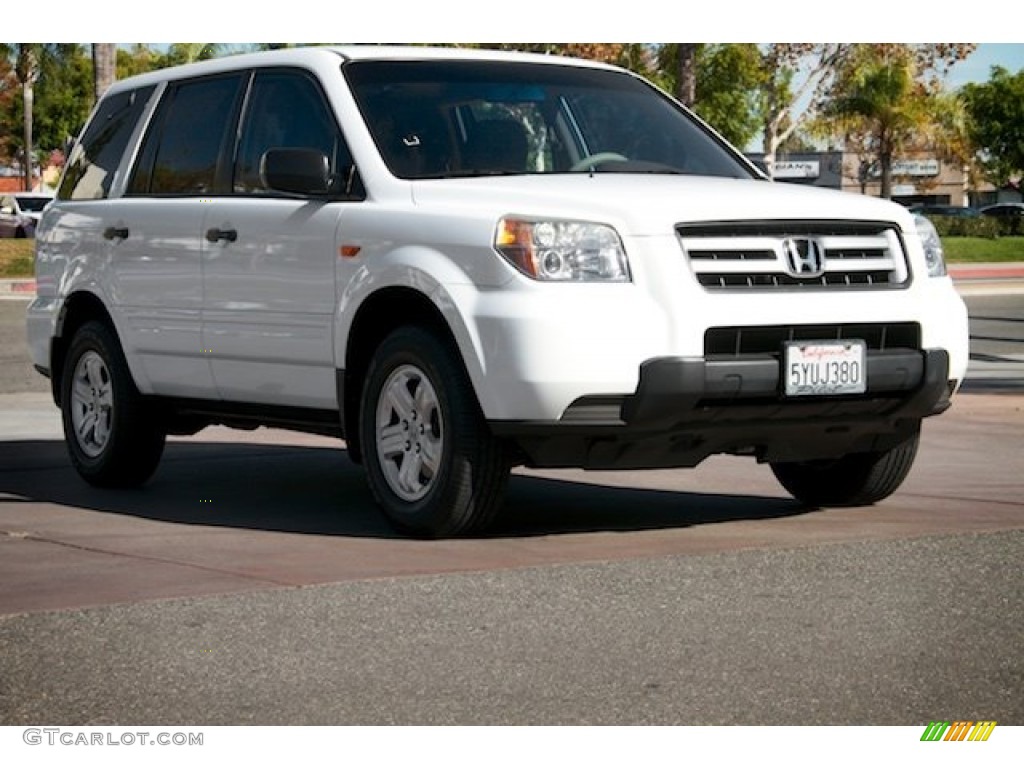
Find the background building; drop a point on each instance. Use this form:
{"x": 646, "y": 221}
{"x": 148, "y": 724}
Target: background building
{"x": 920, "y": 178}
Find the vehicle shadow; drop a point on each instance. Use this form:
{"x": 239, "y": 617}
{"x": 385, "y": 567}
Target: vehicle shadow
{"x": 318, "y": 490}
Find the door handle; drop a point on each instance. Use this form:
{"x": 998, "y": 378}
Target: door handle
{"x": 115, "y": 233}
{"x": 227, "y": 235}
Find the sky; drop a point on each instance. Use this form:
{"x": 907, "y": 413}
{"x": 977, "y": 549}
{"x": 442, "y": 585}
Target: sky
{"x": 977, "y": 67}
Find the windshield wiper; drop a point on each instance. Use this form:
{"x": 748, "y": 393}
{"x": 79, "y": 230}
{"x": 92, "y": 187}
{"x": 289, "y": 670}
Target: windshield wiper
{"x": 470, "y": 173}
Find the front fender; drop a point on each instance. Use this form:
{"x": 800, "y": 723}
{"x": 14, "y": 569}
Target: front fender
{"x": 428, "y": 272}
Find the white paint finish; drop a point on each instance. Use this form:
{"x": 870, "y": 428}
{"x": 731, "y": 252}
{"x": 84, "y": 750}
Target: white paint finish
{"x": 643, "y": 205}
{"x": 268, "y": 315}
{"x": 269, "y": 299}
{"x": 155, "y": 288}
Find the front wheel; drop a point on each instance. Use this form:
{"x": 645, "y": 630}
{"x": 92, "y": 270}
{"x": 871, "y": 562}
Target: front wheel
{"x": 851, "y": 481}
{"x": 113, "y": 438}
{"x": 432, "y": 464}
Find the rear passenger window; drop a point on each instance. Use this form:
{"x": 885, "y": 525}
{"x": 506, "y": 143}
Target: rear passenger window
{"x": 285, "y": 110}
{"x": 95, "y": 158}
{"x": 182, "y": 152}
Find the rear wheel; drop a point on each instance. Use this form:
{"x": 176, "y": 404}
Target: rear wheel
{"x": 433, "y": 465}
{"x": 113, "y": 438}
{"x": 856, "y": 480}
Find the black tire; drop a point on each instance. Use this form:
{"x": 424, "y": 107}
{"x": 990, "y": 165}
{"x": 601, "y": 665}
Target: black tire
{"x": 113, "y": 437}
{"x": 20, "y": 233}
{"x": 853, "y": 481}
{"x": 438, "y": 471}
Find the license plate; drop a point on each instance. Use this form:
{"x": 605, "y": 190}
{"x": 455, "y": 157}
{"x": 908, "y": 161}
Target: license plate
{"x": 824, "y": 368}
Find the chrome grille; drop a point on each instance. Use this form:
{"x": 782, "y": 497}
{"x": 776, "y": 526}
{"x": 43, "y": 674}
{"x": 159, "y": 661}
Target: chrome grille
{"x": 763, "y": 255}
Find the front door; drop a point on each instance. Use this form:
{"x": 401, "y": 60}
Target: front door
{"x": 269, "y": 259}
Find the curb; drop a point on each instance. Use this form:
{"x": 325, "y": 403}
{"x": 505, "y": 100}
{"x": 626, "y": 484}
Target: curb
{"x": 1001, "y": 271}
{"x": 23, "y": 287}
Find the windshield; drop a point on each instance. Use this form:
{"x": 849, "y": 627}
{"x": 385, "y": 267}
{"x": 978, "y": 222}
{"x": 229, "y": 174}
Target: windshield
{"x": 438, "y": 119}
{"x": 32, "y": 204}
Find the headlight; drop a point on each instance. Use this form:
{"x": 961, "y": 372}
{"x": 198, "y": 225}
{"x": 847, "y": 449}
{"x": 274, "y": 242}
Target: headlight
{"x": 932, "y": 246}
{"x": 563, "y": 250}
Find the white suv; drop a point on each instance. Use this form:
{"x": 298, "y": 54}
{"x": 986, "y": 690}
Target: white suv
{"x": 462, "y": 261}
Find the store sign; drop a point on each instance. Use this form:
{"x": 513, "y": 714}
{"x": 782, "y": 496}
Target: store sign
{"x": 911, "y": 168}
{"x": 797, "y": 169}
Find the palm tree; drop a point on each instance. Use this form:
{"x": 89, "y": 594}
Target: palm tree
{"x": 680, "y": 61}
{"x": 27, "y": 70}
{"x": 104, "y": 67}
{"x": 885, "y": 103}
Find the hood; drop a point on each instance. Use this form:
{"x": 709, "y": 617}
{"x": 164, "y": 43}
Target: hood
{"x": 643, "y": 205}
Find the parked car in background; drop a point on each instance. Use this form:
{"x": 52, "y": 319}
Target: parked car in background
{"x": 20, "y": 212}
{"x": 1009, "y": 215}
{"x": 1004, "y": 210}
{"x": 945, "y": 210}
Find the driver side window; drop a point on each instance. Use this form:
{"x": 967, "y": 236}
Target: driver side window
{"x": 285, "y": 110}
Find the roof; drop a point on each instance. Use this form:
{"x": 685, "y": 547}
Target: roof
{"x": 315, "y": 56}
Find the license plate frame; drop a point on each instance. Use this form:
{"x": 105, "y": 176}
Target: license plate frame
{"x": 824, "y": 368}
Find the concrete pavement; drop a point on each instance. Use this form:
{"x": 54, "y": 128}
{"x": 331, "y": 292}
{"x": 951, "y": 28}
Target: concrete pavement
{"x": 18, "y": 288}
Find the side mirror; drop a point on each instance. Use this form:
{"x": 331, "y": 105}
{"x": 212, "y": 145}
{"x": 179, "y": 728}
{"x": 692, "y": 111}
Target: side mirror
{"x": 300, "y": 171}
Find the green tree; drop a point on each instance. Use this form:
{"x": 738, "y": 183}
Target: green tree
{"x": 56, "y": 106}
{"x": 678, "y": 62}
{"x": 717, "y": 81}
{"x": 186, "y": 53}
{"x": 728, "y": 76}
{"x": 137, "y": 60}
{"x": 64, "y": 94}
{"x": 888, "y": 98}
{"x": 996, "y": 123}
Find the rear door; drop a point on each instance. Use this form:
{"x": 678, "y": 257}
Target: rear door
{"x": 155, "y": 231}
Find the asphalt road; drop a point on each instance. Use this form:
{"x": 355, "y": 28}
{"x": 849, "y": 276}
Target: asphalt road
{"x": 897, "y": 632}
{"x": 997, "y": 342}
{"x": 252, "y": 581}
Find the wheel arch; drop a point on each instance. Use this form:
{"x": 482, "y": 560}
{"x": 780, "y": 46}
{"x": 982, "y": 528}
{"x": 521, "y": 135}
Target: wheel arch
{"x": 78, "y": 309}
{"x": 381, "y": 313}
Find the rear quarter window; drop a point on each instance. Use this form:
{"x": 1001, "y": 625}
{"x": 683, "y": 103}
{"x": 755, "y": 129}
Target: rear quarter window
{"x": 96, "y": 157}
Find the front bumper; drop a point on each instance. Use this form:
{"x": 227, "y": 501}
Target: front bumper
{"x": 686, "y": 409}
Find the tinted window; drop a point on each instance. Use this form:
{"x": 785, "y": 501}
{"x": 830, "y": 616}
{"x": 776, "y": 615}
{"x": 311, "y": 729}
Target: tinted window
{"x": 95, "y": 158}
{"x": 471, "y": 118}
{"x": 183, "y": 150}
{"x": 284, "y": 109}
{"x": 32, "y": 204}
